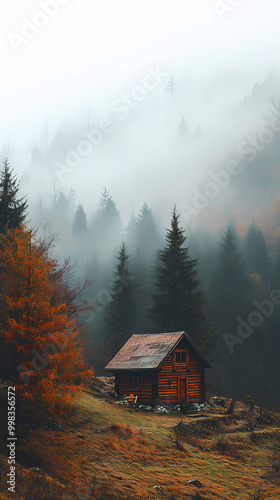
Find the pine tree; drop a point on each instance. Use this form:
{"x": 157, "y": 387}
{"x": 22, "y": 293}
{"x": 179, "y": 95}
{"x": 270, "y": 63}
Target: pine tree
{"x": 171, "y": 85}
{"x": 179, "y": 305}
{"x": 229, "y": 287}
{"x": 119, "y": 312}
{"x": 143, "y": 240}
{"x": 256, "y": 252}
{"x": 12, "y": 210}
{"x": 104, "y": 199}
{"x": 131, "y": 234}
{"x": 80, "y": 228}
{"x": 62, "y": 203}
{"x": 107, "y": 205}
{"x": 148, "y": 239}
{"x": 42, "y": 337}
{"x": 275, "y": 267}
{"x": 183, "y": 130}
{"x": 107, "y": 226}
{"x": 229, "y": 298}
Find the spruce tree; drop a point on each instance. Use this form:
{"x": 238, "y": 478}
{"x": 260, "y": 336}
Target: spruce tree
{"x": 148, "y": 239}
{"x": 229, "y": 290}
{"x": 275, "y": 268}
{"x": 106, "y": 228}
{"x": 230, "y": 298}
{"x": 119, "y": 311}
{"x": 183, "y": 130}
{"x": 171, "y": 85}
{"x": 178, "y": 305}
{"x": 12, "y": 210}
{"x": 80, "y": 228}
{"x": 256, "y": 253}
{"x": 131, "y": 234}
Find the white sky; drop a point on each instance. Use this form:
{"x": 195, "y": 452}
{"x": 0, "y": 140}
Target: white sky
{"x": 86, "y": 31}
{"x": 94, "y": 49}
{"x": 120, "y": 33}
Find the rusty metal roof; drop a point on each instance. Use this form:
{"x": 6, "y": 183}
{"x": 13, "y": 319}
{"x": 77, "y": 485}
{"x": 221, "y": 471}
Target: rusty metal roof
{"x": 148, "y": 351}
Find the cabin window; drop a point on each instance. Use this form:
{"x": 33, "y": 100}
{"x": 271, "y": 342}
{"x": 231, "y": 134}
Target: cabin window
{"x": 180, "y": 357}
{"x": 133, "y": 383}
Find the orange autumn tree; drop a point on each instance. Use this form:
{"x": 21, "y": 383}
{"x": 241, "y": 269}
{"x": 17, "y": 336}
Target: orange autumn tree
{"x": 48, "y": 367}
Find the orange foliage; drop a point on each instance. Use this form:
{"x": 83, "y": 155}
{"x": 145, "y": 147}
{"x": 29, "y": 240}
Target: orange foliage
{"x": 44, "y": 338}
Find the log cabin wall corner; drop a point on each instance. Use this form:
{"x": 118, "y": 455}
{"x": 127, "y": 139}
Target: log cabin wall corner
{"x": 165, "y": 368}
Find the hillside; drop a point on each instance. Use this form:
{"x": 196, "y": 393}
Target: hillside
{"x": 110, "y": 451}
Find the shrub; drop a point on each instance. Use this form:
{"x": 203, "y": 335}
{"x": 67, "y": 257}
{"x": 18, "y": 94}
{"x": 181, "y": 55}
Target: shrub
{"x": 254, "y": 438}
{"x": 197, "y": 496}
{"x": 122, "y": 429}
{"x": 230, "y": 408}
{"x": 226, "y": 448}
{"x": 258, "y": 494}
{"x": 178, "y": 437}
{"x": 250, "y": 402}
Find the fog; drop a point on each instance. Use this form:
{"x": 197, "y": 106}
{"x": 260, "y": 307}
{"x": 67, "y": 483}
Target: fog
{"x": 77, "y": 72}
{"x": 69, "y": 75}
{"x": 215, "y": 57}
{"x": 113, "y": 113}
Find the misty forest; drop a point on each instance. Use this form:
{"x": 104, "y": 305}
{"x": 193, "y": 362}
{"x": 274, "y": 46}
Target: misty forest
{"x": 232, "y": 262}
{"x": 140, "y": 195}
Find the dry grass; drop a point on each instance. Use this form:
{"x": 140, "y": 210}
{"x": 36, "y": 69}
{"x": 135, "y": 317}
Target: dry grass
{"x": 119, "y": 453}
{"x": 224, "y": 446}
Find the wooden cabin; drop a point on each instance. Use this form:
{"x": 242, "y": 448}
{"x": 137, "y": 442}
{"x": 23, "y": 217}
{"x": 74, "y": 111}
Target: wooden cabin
{"x": 162, "y": 368}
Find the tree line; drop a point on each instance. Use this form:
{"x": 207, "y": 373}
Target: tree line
{"x": 223, "y": 294}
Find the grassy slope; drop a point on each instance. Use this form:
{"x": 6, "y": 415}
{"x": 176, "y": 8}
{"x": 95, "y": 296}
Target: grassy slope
{"x": 128, "y": 452}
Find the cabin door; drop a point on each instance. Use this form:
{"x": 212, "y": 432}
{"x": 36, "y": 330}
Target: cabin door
{"x": 183, "y": 390}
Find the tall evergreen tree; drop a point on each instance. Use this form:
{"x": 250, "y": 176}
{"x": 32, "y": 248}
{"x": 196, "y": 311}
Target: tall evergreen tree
{"x": 275, "y": 267}
{"x": 171, "y": 85}
{"x": 143, "y": 240}
{"x": 183, "y": 130}
{"x": 256, "y": 253}
{"x": 119, "y": 311}
{"x": 107, "y": 206}
{"x": 62, "y": 203}
{"x": 179, "y": 305}
{"x": 148, "y": 239}
{"x": 229, "y": 288}
{"x": 131, "y": 233}
{"x": 12, "y": 210}
{"x": 229, "y": 299}
{"x": 107, "y": 226}
{"x": 80, "y": 228}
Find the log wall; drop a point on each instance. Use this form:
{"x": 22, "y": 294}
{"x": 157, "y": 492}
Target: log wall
{"x": 147, "y": 385}
{"x": 169, "y": 375}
